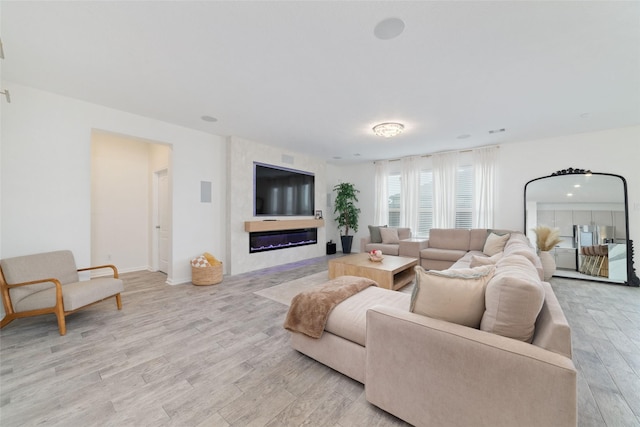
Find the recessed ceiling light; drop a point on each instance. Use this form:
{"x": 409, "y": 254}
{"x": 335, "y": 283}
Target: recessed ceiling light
{"x": 569, "y": 194}
{"x": 585, "y": 115}
{"x": 576, "y": 186}
{"x": 463, "y": 136}
{"x": 389, "y": 129}
{"x": 389, "y": 28}
{"x": 337, "y": 157}
{"x": 209, "y": 119}
{"x": 497, "y": 130}
{"x": 357, "y": 155}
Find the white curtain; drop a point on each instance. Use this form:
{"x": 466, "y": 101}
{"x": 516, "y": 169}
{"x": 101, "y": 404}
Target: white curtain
{"x": 381, "y": 211}
{"x": 484, "y": 166}
{"x": 445, "y": 166}
{"x": 410, "y": 191}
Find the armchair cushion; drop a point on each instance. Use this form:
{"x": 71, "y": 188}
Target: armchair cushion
{"x": 74, "y": 295}
{"x": 58, "y": 265}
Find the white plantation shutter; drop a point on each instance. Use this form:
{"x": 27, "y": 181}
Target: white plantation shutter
{"x": 464, "y": 200}
{"x": 393, "y": 185}
{"x": 425, "y": 217}
{"x": 464, "y": 197}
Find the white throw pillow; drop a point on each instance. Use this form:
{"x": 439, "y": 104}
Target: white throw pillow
{"x": 495, "y": 243}
{"x": 456, "y": 295}
{"x": 389, "y": 235}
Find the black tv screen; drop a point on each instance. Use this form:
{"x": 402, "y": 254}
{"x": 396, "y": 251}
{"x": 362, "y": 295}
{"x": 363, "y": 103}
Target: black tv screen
{"x": 282, "y": 192}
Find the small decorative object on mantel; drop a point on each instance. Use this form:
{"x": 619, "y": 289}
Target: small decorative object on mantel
{"x": 546, "y": 239}
{"x": 572, "y": 171}
{"x": 376, "y": 255}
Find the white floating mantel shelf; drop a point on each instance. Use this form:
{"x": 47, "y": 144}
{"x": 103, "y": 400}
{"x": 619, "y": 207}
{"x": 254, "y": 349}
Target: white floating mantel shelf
{"x": 282, "y": 224}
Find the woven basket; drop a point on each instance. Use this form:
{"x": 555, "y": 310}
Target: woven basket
{"x": 211, "y": 275}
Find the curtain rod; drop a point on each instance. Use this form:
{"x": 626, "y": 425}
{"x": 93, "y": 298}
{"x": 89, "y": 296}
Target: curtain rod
{"x": 424, "y": 156}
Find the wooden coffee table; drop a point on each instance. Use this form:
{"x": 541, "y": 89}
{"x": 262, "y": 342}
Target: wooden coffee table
{"x": 393, "y": 272}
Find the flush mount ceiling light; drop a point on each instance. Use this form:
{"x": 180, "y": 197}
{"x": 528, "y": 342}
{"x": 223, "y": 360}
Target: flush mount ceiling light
{"x": 388, "y": 129}
{"x": 209, "y": 119}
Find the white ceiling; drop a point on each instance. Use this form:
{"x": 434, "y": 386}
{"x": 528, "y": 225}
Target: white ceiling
{"x": 311, "y": 77}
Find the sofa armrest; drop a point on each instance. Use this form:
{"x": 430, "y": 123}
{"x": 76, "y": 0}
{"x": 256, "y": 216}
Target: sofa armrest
{"x": 412, "y": 247}
{"x": 364, "y": 241}
{"x": 430, "y": 372}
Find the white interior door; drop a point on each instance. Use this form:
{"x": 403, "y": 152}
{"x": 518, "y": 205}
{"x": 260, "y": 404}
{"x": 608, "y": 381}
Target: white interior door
{"x": 163, "y": 225}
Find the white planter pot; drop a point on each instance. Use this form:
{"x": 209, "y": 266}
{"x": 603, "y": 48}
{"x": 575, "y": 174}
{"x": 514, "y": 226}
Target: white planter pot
{"x": 548, "y": 264}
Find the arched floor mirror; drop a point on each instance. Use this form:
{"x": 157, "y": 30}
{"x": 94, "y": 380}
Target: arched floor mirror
{"x": 590, "y": 210}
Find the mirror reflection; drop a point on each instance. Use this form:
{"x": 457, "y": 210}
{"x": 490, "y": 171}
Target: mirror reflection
{"x": 589, "y": 210}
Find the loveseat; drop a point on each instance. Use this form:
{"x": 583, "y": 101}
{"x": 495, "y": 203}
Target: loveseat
{"x": 513, "y": 366}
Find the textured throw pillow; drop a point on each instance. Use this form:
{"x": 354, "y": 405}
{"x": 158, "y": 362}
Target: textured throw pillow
{"x": 456, "y": 296}
{"x": 477, "y": 261}
{"x": 495, "y": 243}
{"x": 389, "y": 235}
{"x": 374, "y": 232}
{"x": 513, "y": 299}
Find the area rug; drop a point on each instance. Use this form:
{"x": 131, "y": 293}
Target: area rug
{"x": 284, "y": 292}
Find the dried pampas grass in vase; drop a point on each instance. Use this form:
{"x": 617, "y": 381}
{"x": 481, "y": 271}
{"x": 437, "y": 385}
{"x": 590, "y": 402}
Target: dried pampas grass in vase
{"x": 546, "y": 237}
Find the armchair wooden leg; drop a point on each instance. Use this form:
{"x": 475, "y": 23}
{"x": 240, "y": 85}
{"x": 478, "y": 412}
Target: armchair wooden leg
{"x": 62, "y": 325}
{"x": 6, "y": 320}
{"x": 119, "y": 301}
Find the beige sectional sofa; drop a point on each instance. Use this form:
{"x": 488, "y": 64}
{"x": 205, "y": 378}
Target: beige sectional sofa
{"x": 430, "y": 371}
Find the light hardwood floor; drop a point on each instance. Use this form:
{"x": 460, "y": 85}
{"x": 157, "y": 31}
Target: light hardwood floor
{"x": 216, "y": 356}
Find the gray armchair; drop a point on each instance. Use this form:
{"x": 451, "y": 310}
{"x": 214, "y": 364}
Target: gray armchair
{"x": 48, "y": 282}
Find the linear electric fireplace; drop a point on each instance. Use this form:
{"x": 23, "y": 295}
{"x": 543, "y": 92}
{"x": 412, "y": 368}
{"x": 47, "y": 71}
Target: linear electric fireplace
{"x": 262, "y": 241}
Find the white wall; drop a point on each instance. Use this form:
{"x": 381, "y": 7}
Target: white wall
{"x": 120, "y": 202}
{"x": 241, "y": 155}
{"x": 46, "y": 177}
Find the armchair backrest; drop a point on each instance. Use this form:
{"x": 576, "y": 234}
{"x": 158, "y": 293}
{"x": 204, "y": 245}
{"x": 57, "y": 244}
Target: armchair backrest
{"x": 57, "y": 265}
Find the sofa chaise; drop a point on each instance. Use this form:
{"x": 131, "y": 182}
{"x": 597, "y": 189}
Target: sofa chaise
{"x": 428, "y": 370}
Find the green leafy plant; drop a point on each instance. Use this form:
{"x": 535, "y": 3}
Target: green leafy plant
{"x": 345, "y": 207}
{"x": 546, "y": 237}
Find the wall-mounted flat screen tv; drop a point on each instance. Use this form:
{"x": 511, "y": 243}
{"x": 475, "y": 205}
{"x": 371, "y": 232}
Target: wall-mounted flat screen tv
{"x": 281, "y": 191}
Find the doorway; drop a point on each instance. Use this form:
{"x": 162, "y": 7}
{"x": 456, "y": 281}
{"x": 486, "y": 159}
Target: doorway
{"x": 130, "y": 196}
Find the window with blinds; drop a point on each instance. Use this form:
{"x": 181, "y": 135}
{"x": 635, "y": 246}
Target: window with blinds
{"x": 393, "y": 190}
{"x": 464, "y": 200}
{"x": 464, "y": 197}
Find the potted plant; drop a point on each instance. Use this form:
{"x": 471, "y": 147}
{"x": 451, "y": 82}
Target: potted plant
{"x": 348, "y": 212}
{"x": 546, "y": 239}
